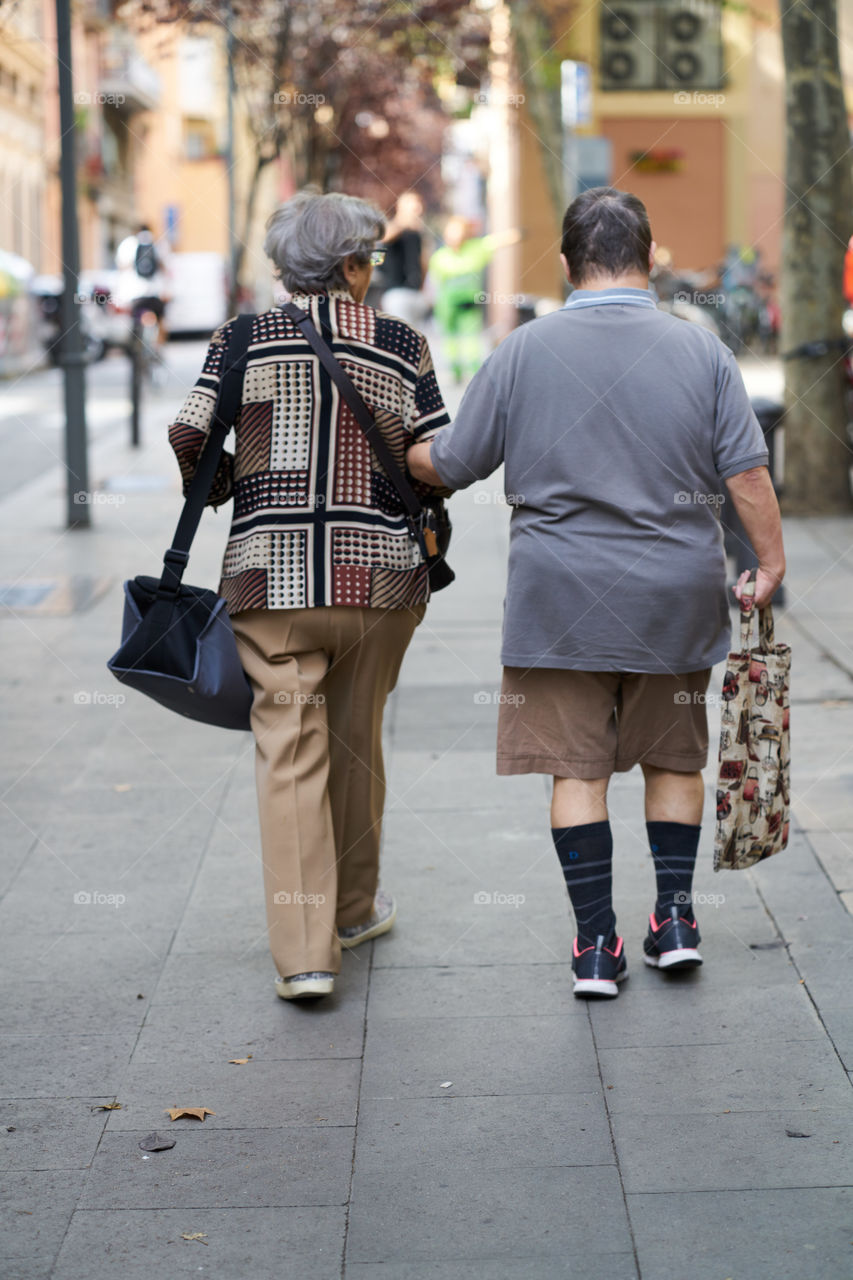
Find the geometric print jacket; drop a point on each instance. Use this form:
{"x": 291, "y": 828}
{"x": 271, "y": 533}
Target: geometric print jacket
{"x": 315, "y": 520}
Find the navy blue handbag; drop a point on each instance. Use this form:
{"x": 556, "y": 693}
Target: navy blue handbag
{"x": 177, "y": 644}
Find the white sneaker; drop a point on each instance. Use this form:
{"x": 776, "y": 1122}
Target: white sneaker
{"x": 301, "y": 986}
{"x": 382, "y": 920}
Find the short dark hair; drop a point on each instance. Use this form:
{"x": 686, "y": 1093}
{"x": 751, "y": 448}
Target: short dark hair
{"x": 606, "y": 232}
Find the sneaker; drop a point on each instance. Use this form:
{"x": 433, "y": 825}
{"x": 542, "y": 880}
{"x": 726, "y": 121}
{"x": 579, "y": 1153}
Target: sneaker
{"x": 384, "y": 915}
{"x": 303, "y": 986}
{"x": 598, "y": 968}
{"x": 671, "y": 942}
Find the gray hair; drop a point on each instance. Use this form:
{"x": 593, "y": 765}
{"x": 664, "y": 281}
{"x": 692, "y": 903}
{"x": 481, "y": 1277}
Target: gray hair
{"x": 309, "y": 236}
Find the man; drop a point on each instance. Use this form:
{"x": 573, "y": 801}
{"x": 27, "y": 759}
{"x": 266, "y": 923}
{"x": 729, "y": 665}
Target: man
{"x": 402, "y": 270}
{"x": 456, "y": 273}
{"x": 617, "y": 425}
{"x": 143, "y": 279}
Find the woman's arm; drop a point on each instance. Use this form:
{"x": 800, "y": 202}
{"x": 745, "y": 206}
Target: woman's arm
{"x": 188, "y": 433}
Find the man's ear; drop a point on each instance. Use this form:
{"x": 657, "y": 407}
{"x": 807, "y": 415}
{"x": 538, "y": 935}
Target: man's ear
{"x": 652, "y": 250}
{"x": 565, "y": 264}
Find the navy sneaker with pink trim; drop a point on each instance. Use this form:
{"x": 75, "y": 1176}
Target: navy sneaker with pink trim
{"x": 672, "y": 942}
{"x": 599, "y": 968}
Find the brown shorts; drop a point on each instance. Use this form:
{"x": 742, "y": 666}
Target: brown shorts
{"x": 589, "y": 724}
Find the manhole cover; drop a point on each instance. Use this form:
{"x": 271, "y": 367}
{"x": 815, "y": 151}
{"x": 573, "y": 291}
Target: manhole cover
{"x": 63, "y": 595}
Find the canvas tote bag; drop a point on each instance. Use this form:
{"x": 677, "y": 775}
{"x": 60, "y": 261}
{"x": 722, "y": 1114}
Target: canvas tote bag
{"x": 754, "y": 779}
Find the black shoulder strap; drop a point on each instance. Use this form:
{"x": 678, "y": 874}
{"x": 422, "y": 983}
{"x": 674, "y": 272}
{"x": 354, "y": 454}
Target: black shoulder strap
{"x": 363, "y": 416}
{"x": 227, "y": 404}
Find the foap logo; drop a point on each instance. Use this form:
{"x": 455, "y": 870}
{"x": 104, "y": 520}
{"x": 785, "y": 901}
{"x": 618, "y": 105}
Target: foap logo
{"x": 284, "y": 899}
{"x": 284, "y": 698}
{"x": 99, "y": 99}
{"x": 288, "y": 99}
{"x": 95, "y": 898}
{"x": 682, "y": 899}
{"x": 96, "y": 498}
{"x": 482, "y": 898}
{"x": 497, "y": 497}
{"x": 684, "y": 699}
{"x": 683, "y": 498}
{"x": 94, "y": 698}
{"x": 485, "y": 697}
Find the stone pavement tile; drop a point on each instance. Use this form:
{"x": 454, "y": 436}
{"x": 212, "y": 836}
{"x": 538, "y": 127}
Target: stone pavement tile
{"x": 600, "y": 1266}
{"x": 209, "y": 1006}
{"x": 474, "y": 991}
{"x": 794, "y": 1075}
{"x": 17, "y": 838}
{"x": 794, "y": 1234}
{"x": 38, "y": 1268}
{"x": 412, "y": 1057}
{"x": 259, "y": 1094}
{"x": 456, "y": 1213}
{"x": 829, "y": 629}
{"x": 77, "y": 975}
{"x": 434, "y": 780}
{"x": 448, "y": 651}
{"x": 35, "y": 1208}
{"x": 222, "y": 1169}
{"x": 98, "y": 892}
{"x": 507, "y": 1132}
{"x": 699, "y": 1008}
{"x": 64, "y": 1066}
{"x": 834, "y": 852}
{"x": 246, "y": 1244}
{"x": 50, "y": 1133}
{"x": 745, "y": 1149}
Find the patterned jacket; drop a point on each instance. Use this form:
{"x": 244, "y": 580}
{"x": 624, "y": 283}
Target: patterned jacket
{"x": 315, "y": 520}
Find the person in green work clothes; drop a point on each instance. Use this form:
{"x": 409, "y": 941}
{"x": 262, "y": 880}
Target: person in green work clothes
{"x": 456, "y": 270}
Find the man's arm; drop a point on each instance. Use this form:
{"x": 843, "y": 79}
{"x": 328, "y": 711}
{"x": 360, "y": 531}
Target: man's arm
{"x": 755, "y": 502}
{"x": 419, "y": 463}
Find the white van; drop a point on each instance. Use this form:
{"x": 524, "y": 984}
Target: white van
{"x": 199, "y": 287}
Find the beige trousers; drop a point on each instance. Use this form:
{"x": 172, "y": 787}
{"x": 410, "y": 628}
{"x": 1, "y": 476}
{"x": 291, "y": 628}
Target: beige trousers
{"x": 320, "y": 678}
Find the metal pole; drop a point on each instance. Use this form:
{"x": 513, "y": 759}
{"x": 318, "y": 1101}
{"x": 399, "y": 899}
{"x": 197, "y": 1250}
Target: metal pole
{"x": 229, "y": 161}
{"x": 71, "y": 355}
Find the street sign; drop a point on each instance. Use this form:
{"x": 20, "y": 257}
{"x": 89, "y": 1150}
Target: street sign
{"x": 575, "y": 94}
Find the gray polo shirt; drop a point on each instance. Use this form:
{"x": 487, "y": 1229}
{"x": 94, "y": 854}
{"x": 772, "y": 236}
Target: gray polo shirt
{"x": 616, "y": 424}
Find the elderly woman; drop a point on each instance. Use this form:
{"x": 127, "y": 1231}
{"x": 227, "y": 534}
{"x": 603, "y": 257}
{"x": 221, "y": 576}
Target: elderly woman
{"x": 322, "y": 580}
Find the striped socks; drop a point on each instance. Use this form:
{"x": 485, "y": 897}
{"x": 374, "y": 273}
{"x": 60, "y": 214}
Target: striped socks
{"x": 586, "y": 856}
{"x": 673, "y": 846}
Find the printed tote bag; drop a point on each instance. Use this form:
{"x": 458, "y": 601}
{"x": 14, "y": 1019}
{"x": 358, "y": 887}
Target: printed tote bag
{"x": 754, "y": 781}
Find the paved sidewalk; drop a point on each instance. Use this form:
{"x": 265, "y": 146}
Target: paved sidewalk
{"x": 451, "y": 1113}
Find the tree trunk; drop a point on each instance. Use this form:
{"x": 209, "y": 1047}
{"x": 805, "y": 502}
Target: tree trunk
{"x": 540, "y": 80}
{"x": 817, "y": 226}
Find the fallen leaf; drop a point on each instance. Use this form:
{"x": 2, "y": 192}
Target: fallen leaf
{"x": 196, "y": 1113}
{"x": 239, "y": 1062}
{"x": 194, "y": 1235}
{"x": 123, "y": 786}
{"x": 792, "y": 1133}
{"x": 155, "y": 1143}
{"x": 107, "y": 1106}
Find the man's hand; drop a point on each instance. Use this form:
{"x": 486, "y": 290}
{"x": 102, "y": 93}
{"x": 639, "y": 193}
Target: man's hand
{"x": 765, "y": 587}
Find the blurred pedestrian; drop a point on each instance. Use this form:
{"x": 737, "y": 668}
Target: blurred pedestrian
{"x": 618, "y": 426}
{"x": 848, "y": 273}
{"x": 143, "y": 281}
{"x": 320, "y": 577}
{"x": 402, "y": 270}
{"x": 456, "y": 271}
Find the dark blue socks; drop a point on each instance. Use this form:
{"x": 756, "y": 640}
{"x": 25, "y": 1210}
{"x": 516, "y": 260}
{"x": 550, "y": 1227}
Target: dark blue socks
{"x": 586, "y": 856}
{"x": 674, "y": 846}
